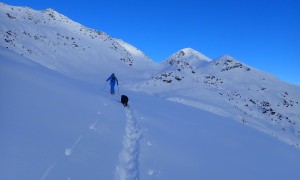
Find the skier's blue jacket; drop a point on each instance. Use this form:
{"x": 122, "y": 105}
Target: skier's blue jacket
{"x": 113, "y": 79}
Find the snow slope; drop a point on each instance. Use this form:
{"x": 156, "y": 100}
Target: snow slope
{"x": 53, "y": 127}
{"x": 46, "y": 36}
{"x": 190, "y": 117}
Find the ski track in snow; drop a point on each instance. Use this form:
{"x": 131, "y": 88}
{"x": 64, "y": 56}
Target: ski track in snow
{"x": 128, "y": 167}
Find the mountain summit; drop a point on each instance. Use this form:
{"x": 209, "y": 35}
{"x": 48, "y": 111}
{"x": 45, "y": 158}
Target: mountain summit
{"x": 188, "y": 56}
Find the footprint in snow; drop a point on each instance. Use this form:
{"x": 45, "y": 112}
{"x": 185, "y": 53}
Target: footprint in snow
{"x": 150, "y": 172}
{"x": 153, "y": 172}
{"x": 129, "y": 155}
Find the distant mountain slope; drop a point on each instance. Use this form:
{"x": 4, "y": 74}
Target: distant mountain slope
{"x": 249, "y": 95}
{"x": 61, "y": 44}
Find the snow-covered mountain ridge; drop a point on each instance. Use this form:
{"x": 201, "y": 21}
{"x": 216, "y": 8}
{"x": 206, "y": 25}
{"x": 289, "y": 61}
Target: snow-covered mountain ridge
{"x": 40, "y": 34}
{"x": 250, "y": 96}
{"x": 188, "y": 77}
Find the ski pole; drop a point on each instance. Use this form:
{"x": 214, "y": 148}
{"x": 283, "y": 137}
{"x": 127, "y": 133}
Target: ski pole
{"x": 104, "y": 85}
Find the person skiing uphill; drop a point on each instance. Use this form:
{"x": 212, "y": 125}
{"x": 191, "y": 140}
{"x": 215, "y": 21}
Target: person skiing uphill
{"x": 113, "y": 79}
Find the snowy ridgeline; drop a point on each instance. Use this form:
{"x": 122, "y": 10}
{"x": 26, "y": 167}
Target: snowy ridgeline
{"x": 45, "y": 37}
{"x": 58, "y": 121}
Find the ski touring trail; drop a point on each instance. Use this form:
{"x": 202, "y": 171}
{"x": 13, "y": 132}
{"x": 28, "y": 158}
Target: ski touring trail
{"x": 128, "y": 167}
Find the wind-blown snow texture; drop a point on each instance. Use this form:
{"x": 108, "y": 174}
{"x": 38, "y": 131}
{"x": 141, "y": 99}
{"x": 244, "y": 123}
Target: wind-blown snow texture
{"x": 190, "y": 117}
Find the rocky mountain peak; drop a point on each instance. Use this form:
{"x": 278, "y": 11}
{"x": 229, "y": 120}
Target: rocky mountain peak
{"x": 228, "y": 63}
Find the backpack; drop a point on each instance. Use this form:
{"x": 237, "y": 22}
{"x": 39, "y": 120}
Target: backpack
{"x": 113, "y": 78}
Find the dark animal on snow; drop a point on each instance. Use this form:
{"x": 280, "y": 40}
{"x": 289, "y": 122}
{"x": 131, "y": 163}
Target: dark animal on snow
{"x": 124, "y": 100}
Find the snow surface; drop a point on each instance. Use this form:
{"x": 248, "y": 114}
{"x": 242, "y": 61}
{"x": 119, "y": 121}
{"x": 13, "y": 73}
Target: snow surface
{"x": 193, "y": 118}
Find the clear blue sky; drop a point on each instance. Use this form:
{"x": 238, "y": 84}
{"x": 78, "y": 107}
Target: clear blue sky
{"x": 262, "y": 33}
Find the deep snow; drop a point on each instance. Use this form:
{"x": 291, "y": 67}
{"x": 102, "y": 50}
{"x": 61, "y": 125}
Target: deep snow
{"x": 53, "y": 127}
